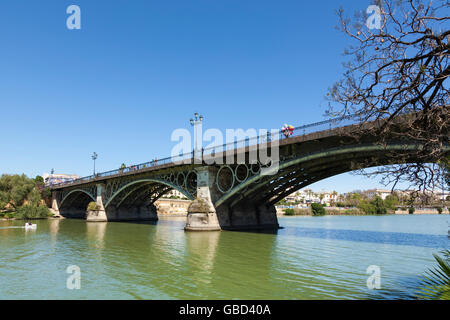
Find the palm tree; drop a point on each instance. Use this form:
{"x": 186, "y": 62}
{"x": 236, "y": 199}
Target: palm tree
{"x": 436, "y": 282}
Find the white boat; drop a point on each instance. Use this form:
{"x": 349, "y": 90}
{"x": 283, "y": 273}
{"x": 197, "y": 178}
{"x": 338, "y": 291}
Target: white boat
{"x": 29, "y": 226}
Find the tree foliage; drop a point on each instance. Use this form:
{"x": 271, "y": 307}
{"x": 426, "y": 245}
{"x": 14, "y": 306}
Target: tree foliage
{"x": 22, "y": 195}
{"x": 397, "y": 75}
{"x": 15, "y": 189}
{"x": 317, "y": 209}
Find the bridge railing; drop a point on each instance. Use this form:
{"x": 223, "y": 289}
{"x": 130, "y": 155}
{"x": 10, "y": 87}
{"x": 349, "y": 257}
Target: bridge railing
{"x": 250, "y": 141}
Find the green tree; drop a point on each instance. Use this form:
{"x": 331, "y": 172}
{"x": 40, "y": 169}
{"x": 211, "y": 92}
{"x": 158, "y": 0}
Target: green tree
{"x": 378, "y": 205}
{"x": 391, "y": 201}
{"x": 15, "y": 189}
{"x": 39, "y": 180}
{"x": 21, "y": 194}
{"x": 289, "y": 212}
{"x": 317, "y": 209}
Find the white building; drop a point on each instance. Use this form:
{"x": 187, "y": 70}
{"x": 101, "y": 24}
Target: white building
{"x": 308, "y": 196}
{"x": 174, "y": 194}
{"x": 54, "y": 178}
{"x": 382, "y": 193}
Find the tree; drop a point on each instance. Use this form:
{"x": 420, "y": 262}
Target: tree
{"x": 317, "y": 209}
{"x": 395, "y": 75}
{"x": 321, "y": 196}
{"x": 15, "y": 189}
{"x": 391, "y": 201}
{"x": 379, "y": 206}
{"x": 21, "y": 194}
{"x": 39, "y": 180}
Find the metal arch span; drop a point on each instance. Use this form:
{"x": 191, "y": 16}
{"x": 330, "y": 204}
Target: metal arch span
{"x": 76, "y": 190}
{"x": 169, "y": 184}
{"x": 316, "y": 156}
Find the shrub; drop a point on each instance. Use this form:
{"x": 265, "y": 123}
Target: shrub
{"x": 367, "y": 207}
{"x": 378, "y": 205}
{"x": 32, "y": 212}
{"x": 289, "y": 212}
{"x": 9, "y": 215}
{"x": 92, "y": 206}
{"x": 317, "y": 209}
{"x": 439, "y": 209}
{"x": 411, "y": 210}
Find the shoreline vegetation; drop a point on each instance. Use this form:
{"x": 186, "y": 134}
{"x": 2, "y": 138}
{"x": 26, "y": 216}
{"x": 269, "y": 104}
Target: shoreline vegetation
{"x": 377, "y": 206}
{"x": 22, "y": 198}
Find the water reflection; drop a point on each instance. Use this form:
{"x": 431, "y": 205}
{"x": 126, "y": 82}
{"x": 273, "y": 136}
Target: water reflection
{"x": 309, "y": 259}
{"x": 95, "y": 232}
{"x": 202, "y": 249}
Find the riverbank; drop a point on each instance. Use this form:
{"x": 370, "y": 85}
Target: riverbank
{"x": 337, "y": 211}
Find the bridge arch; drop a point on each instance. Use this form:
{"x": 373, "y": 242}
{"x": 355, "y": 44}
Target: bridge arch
{"x": 257, "y": 182}
{"x": 75, "y": 192}
{"x": 143, "y": 183}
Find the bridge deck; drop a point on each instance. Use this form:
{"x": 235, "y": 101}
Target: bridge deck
{"x": 167, "y": 163}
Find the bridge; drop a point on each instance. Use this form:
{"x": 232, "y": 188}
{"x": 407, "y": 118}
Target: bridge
{"x": 231, "y": 195}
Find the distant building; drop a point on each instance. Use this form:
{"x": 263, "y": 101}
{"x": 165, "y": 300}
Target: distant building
{"x": 54, "y": 178}
{"x": 174, "y": 194}
{"x": 382, "y": 193}
{"x": 308, "y": 196}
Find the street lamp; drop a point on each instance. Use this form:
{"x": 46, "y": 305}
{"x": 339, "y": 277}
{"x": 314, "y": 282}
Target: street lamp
{"x": 195, "y": 123}
{"x": 94, "y": 157}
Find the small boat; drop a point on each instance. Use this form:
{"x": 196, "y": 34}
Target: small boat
{"x": 29, "y": 226}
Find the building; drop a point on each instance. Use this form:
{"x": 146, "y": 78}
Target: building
{"x": 382, "y": 193}
{"x": 306, "y": 196}
{"x": 55, "y": 178}
{"x": 174, "y": 194}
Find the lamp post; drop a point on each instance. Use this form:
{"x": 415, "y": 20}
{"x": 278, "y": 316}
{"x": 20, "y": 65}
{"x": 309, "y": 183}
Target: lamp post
{"x": 196, "y": 123}
{"x": 94, "y": 157}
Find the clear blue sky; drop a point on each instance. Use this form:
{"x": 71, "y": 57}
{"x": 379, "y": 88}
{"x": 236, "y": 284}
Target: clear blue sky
{"x": 137, "y": 70}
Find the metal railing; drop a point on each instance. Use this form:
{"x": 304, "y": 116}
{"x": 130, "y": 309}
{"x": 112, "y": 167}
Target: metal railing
{"x": 298, "y": 131}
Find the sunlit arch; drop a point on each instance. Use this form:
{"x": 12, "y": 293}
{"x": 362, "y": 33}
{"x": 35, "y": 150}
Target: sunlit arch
{"x": 169, "y": 184}
{"x": 360, "y": 149}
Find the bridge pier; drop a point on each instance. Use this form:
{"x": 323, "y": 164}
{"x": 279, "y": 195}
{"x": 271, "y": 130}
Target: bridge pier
{"x": 201, "y": 214}
{"x": 55, "y": 208}
{"x": 97, "y": 215}
{"x": 245, "y": 215}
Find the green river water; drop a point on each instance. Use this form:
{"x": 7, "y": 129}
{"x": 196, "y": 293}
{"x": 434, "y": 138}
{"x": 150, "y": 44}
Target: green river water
{"x": 310, "y": 258}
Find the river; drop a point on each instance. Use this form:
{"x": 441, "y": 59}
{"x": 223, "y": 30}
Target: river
{"x": 310, "y": 258}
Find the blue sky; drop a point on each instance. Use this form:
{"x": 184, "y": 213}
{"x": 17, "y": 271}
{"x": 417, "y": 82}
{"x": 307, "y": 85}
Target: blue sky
{"x": 137, "y": 70}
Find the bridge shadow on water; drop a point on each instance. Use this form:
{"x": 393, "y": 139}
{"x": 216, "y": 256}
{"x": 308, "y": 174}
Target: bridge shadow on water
{"x": 380, "y": 237}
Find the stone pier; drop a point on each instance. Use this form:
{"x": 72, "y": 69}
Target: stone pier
{"x": 201, "y": 212}
{"x": 245, "y": 215}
